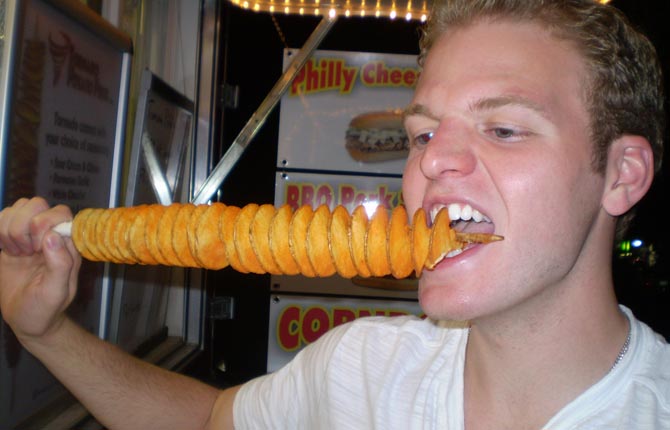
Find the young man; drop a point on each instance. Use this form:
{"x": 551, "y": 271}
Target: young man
{"x": 544, "y": 116}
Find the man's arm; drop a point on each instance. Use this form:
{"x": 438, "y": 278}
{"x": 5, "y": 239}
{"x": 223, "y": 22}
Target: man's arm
{"x": 121, "y": 391}
{"x": 38, "y": 274}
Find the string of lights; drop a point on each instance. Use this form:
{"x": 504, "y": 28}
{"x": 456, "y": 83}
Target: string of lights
{"x": 408, "y": 9}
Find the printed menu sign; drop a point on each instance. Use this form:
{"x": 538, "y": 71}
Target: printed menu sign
{"x": 342, "y": 112}
{"x": 341, "y": 143}
{"x": 296, "y": 321}
{"x": 63, "y": 114}
{"x": 314, "y": 189}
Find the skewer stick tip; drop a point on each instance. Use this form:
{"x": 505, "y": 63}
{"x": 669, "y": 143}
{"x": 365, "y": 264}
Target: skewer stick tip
{"x": 64, "y": 228}
{"x": 478, "y": 237}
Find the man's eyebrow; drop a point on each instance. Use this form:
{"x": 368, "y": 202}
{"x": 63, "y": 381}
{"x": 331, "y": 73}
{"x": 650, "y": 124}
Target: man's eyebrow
{"x": 483, "y": 104}
{"x": 491, "y": 103}
{"x": 418, "y": 109}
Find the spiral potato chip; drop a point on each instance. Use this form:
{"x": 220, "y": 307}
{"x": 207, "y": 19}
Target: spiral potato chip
{"x": 318, "y": 250}
{"x": 227, "y": 233}
{"x": 110, "y": 236}
{"x": 148, "y": 229}
{"x": 298, "y": 239}
{"x": 260, "y": 238}
{"x": 242, "y": 235}
{"x": 208, "y": 248}
{"x": 193, "y": 223}
{"x": 164, "y": 233}
{"x": 88, "y": 235}
{"x": 420, "y": 241}
{"x": 376, "y": 255}
{"x": 339, "y": 238}
{"x": 279, "y": 241}
{"x": 399, "y": 244}
{"x": 359, "y": 228}
{"x": 180, "y": 245}
{"x": 78, "y": 233}
{"x": 264, "y": 239}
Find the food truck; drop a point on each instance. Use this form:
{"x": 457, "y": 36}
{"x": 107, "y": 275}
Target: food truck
{"x": 122, "y": 104}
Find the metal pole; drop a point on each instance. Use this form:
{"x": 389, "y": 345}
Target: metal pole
{"x": 239, "y": 145}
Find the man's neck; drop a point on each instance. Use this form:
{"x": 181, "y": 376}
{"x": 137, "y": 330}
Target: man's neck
{"x": 525, "y": 365}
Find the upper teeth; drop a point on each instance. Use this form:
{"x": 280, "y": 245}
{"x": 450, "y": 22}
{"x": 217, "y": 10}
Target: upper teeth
{"x": 461, "y": 212}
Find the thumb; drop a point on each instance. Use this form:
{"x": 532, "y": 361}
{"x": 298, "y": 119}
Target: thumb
{"x": 59, "y": 264}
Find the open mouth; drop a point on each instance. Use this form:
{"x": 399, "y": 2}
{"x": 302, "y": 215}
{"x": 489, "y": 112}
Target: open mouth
{"x": 464, "y": 219}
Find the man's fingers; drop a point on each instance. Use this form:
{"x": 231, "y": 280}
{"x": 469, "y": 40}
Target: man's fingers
{"x": 44, "y": 222}
{"x": 15, "y": 233}
{"x": 6, "y": 217}
{"x": 6, "y": 220}
{"x": 23, "y": 226}
{"x": 60, "y": 261}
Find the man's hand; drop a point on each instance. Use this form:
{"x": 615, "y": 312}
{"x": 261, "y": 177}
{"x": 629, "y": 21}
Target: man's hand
{"x": 38, "y": 268}
{"x": 38, "y": 278}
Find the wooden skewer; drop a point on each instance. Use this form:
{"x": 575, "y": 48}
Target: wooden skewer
{"x": 477, "y": 237}
{"x": 64, "y": 229}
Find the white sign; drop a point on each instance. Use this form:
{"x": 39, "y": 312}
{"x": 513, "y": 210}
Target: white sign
{"x": 330, "y": 91}
{"x": 297, "y": 321}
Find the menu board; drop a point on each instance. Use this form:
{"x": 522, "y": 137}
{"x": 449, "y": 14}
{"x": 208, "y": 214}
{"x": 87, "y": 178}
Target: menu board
{"x": 64, "y": 94}
{"x": 313, "y": 189}
{"x": 341, "y": 142}
{"x": 296, "y": 321}
{"x": 343, "y": 111}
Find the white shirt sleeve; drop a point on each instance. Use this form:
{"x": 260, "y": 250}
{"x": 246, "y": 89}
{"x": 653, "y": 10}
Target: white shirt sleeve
{"x": 289, "y": 398}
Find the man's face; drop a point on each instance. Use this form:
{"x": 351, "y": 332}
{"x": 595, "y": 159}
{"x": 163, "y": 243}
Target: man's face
{"x": 499, "y": 125}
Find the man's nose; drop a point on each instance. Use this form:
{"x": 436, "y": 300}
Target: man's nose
{"x": 449, "y": 153}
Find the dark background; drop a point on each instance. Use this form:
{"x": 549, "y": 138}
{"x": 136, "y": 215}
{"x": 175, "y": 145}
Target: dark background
{"x": 251, "y": 58}
{"x": 642, "y": 277}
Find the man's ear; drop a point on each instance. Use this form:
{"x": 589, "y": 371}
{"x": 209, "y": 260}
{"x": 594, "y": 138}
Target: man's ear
{"x": 630, "y": 172}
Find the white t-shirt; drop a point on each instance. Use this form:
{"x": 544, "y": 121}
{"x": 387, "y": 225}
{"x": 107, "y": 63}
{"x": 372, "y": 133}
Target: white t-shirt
{"x": 407, "y": 373}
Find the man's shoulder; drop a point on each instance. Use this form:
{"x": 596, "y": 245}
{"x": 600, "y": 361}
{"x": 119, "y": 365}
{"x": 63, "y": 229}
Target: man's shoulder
{"x": 388, "y": 332}
{"x": 409, "y": 324}
{"x": 653, "y": 375}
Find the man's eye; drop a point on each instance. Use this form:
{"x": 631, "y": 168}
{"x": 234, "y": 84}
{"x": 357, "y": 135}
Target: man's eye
{"x": 504, "y": 133}
{"x": 508, "y": 134}
{"x": 423, "y": 138}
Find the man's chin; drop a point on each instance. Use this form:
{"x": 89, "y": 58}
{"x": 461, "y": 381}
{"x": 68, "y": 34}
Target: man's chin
{"x": 441, "y": 310}
{"x": 445, "y": 303}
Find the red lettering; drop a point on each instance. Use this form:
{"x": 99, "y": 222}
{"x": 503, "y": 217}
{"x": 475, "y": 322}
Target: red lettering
{"x": 341, "y": 316}
{"x": 315, "y": 322}
{"x": 396, "y": 313}
{"x": 360, "y": 199}
{"x": 298, "y": 80}
{"x": 385, "y": 198}
{"x": 312, "y": 77}
{"x": 382, "y": 75}
{"x": 396, "y": 77}
{"x": 368, "y": 74}
{"x": 324, "y": 195}
{"x": 288, "y": 328}
{"x": 347, "y": 194}
{"x": 293, "y": 196}
{"x": 307, "y": 197}
{"x": 409, "y": 77}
